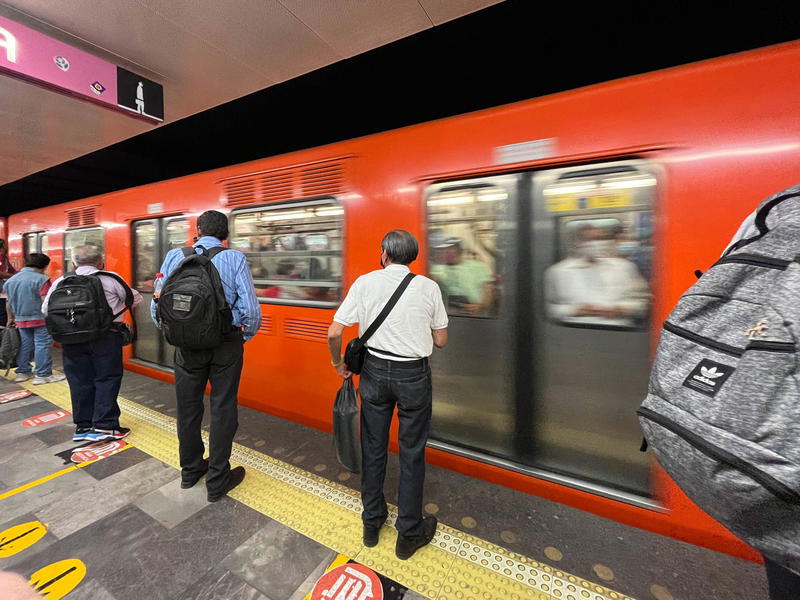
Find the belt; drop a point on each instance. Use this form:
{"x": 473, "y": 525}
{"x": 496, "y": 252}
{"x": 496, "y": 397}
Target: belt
{"x": 398, "y": 364}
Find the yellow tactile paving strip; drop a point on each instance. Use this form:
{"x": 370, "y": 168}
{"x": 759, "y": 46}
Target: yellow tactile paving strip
{"x": 455, "y": 566}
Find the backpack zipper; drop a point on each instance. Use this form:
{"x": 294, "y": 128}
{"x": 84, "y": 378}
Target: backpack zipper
{"x": 759, "y": 346}
{"x": 767, "y": 481}
{"x": 703, "y": 341}
{"x": 755, "y": 260}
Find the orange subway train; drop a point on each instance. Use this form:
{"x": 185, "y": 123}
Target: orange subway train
{"x": 655, "y": 170}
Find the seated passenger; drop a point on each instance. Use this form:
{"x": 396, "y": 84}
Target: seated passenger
{"x": 593, "y": 288}
{"x": 467, "y": 283}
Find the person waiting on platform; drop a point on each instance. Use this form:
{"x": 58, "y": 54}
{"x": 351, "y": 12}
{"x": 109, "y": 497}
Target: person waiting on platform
{"x": 220, "y": 365}
{"x": 6, "y": 271}
{"x": 591, "y": 287}
{"x": 25, "y": 292}
{"x": 395, "y": 372}
{"x": 94, "y": 368}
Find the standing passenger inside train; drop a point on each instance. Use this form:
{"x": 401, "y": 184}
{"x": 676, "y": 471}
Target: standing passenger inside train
{"x": 221, "y": 365}
{"x": 94, "y": 368}
{"x": 395, "y": 372}
{"x": 26, "y": 290}
{"x": 6, "y": 271}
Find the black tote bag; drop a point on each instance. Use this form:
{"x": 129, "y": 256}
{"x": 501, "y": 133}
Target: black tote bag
{"x": 345, "y": 427}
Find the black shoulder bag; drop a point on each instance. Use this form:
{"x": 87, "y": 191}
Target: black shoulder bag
{"x": 356, "y": 350}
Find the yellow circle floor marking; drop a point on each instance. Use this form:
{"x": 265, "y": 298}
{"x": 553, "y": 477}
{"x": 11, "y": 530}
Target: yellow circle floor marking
{"x": 59, "y": 579}
{"x": 455, "y": 565}
{"x": 22, "y": 536}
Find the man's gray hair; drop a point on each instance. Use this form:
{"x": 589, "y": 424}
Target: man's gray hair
{"x": 87, "y": 254}
{"x": 401, "y": 246}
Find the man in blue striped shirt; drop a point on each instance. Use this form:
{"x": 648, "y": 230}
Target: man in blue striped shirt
{"x": 221, "y": 365}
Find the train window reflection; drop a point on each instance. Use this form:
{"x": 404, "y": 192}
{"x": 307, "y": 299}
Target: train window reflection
{"x": 464, "y": 254}
{"x": 145, "y": 250}
{"x": 94, "y": 236}
{"x": 34, "y": 242}
{"x": 294, "y": 251}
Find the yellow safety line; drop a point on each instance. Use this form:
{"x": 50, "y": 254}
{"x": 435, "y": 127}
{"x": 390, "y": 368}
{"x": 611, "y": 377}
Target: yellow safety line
{"x": 455, "y": 566}
{"x": 47, "y": 478}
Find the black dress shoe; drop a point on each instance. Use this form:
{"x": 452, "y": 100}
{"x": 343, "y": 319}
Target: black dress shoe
{"x": 370, "y": 537}
{"x": 237, "y": 476}
{"x": 190, "y": 482}
{"x": 406, "y": 547}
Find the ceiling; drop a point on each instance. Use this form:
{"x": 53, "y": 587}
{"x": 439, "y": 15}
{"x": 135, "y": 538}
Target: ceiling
{"x": 204, "y": 52}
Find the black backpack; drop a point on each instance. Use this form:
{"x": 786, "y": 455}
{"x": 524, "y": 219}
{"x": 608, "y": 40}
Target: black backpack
{"x": 9, "y": 347}
{"x": 191, "y": 308}
{"x": 78, "y": 310}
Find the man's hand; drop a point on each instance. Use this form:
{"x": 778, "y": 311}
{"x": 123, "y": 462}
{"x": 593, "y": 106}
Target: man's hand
{"x": 343, "y": 372}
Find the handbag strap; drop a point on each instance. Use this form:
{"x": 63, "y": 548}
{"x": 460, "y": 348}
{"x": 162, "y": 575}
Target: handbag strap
{"x": 388, "y": 308}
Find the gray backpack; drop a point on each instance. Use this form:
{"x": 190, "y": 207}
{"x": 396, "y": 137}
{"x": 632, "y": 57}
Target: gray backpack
{"x": 722, "y": 413}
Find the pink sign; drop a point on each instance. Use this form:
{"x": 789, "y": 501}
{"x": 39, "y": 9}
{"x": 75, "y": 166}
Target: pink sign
{"x": 35, "y": 57}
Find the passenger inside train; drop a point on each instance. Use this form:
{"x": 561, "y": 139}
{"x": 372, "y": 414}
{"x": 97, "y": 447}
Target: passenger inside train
{"x": 594, "y": 287}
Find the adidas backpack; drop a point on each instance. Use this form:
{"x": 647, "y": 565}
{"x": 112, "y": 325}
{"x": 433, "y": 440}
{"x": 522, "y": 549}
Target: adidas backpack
{"x": 191, "y": 308}
{"x": 78, "y": 310}
{"x": 722, "y": 413}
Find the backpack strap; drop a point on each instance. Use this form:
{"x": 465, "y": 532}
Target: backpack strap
{"x": 761, "y": 221}
{"x": 387, "y": 309}
{"x": 188, "y": 251}
{"x": 214, "y": 251}
{"x": 125, "y": 286}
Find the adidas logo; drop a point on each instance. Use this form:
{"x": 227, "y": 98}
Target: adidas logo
{"x": 708, "y": 376}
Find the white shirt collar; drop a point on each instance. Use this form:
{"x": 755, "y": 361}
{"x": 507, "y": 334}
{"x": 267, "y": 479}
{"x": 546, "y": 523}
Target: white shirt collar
{"x": 397, "y": 267}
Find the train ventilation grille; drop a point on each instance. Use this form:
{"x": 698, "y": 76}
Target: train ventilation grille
{"x": 315, "y": 331}
{"x": 82, "y": 216}
{"x": 266, "y": 326}
{"x": 307, "y": 181}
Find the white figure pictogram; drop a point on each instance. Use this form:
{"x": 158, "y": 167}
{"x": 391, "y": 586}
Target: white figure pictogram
{"x": 9, "y": 42}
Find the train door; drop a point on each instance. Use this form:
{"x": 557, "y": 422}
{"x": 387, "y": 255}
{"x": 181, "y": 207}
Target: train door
{"x": 472, "y": 236}
{"x": 592, "y": 266}
{"x": 546, "y": 281}
{"x": 152, "y": 239}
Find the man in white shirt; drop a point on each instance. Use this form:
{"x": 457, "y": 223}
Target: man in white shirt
{"x": 395, "y": 372}
{"x": 593, "y": 288}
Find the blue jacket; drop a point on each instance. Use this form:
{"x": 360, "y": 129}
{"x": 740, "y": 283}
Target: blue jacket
{"x": 23, "y": 294}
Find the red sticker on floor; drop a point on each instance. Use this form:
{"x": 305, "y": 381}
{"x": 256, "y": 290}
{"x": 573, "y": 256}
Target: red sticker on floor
{"x": 11, "y": 396}
{"x": 348, "y": 582}
{"x": 97, "y": 450}
{"x": 46, "y": 418}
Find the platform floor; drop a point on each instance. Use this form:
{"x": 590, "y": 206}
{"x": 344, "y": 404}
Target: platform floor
{"x": 297, "y": 513}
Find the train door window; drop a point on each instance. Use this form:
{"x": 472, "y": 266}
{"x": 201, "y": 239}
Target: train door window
{"x": 294, "y": 251}
{"x": 152, "y": 239}
{"x": 94, "y": 236}
{"x": 472, "y": 233}
{"x": 34, "y": 242}
{"x": 592, "y": 266}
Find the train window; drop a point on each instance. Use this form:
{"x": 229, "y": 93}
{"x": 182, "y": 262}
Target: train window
{"x": 78, "y": 237}
{"x": 151, "y": 242}
{"x": 464, "y": 256}
{"x": 34, "y": 242}
{"x": 294, "y": 251}
{"x": 603, "y": 253}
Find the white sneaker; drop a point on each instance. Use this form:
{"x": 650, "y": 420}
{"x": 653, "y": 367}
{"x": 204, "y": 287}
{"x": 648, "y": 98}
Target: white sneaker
{"x": 22, "y": 377}
{"x": 49, "y": 379}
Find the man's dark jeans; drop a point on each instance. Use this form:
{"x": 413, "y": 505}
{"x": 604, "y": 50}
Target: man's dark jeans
{"x": 783, "y": 583}
{"x": 94, "y": 374}
{"x": 384, "y": 384}
{"x": 222, "y": 366}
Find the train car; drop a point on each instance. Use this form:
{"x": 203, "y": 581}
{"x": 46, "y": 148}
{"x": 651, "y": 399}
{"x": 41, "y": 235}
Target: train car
{"x": 531, "y": 394}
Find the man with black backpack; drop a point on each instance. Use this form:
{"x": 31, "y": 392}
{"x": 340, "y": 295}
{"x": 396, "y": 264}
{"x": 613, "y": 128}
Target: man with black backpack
{"x": 401, "y": 317}
{"x": 206, "y": 305}
{"x": 84, "y": 312}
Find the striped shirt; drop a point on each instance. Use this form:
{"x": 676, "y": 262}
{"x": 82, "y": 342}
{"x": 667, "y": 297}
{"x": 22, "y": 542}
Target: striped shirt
{"x": 237, "y": 282}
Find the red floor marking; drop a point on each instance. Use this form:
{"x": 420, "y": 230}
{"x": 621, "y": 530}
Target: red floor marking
{"x": 97, "y": 450}
{"x": 45, "y": 418}
{"x": 348, "y": 582}
{"x": 11, "y": 396}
